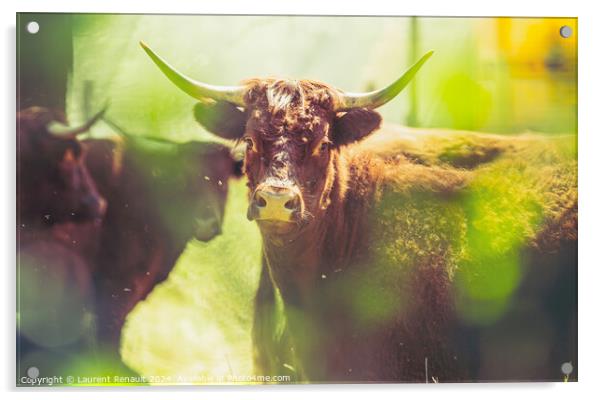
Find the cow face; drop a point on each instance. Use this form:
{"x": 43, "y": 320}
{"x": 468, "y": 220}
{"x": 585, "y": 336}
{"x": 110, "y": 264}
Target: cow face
{"x": 206, "y": 169}
{"x": 291, "y": 134}
{"x": 178, "y": 187}
{"x": 54, "y": 183}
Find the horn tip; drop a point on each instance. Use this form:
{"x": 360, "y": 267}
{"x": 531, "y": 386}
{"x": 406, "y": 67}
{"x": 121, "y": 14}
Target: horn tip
{"x": 145, "y": 47}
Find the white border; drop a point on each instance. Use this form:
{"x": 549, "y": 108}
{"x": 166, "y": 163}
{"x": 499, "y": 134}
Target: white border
{"x": 590, "y": 138}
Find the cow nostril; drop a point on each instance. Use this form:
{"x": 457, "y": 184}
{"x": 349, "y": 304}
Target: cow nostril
{"x": 292, "y": 204}
{"x": 216, "y": 228}
{"x": 260, "y": 201}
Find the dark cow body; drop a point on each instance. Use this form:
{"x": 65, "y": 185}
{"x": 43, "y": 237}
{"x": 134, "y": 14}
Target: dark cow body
{"x": 159, "y": 195}
{"x": 100, "y": 259}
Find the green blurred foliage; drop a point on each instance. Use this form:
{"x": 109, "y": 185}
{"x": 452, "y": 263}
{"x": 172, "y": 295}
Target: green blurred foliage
{"x": 474, "y": 81}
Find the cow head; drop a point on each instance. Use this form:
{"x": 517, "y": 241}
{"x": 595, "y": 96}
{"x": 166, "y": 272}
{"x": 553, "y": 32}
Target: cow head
{"x": 293, "y": 131}
{"x": 200, "y": 183}
{"x": 186, "y": 184}
{"x": 54, "y": 184}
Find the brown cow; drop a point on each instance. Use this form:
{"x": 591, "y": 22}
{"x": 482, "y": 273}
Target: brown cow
{"x": 363, "y": 249}
{"x": 160, "y": 195}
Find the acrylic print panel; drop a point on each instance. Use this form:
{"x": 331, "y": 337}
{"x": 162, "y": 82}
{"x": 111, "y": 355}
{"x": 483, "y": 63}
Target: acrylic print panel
{"x": 292, "y": 199}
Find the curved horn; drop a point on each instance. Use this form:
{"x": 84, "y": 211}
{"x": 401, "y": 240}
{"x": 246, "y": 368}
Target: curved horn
{"x": 64, "y": 131}
{"x": 380, "y": 97}
{"x": 198, "y": 90}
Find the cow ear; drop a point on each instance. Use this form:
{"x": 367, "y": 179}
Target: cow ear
{"x": 354, "y": 125}
{"x": 221, "y": 118}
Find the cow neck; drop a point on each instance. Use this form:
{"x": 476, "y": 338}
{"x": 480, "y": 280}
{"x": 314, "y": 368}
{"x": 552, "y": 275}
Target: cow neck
{"x": 297, "y": 263}
{"x": 133, "y": 232}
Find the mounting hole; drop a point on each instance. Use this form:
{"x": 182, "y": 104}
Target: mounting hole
{"x": 566, "y": 31}
{"x": 566, "y": 368}
{"x": 33, "y": 27}
{"x": 33, "y": 372}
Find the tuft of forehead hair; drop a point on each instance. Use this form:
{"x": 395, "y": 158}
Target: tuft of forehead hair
{"x": 291, "y": 106}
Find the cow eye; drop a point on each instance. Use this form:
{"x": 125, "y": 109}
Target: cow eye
{"x": 324, "y": 146}
{"x": 250, "y": 144}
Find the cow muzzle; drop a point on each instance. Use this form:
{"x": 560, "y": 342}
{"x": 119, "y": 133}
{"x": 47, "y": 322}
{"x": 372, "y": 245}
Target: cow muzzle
{"x": 274, "y": 203}
{"x": 207, "y": 228}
